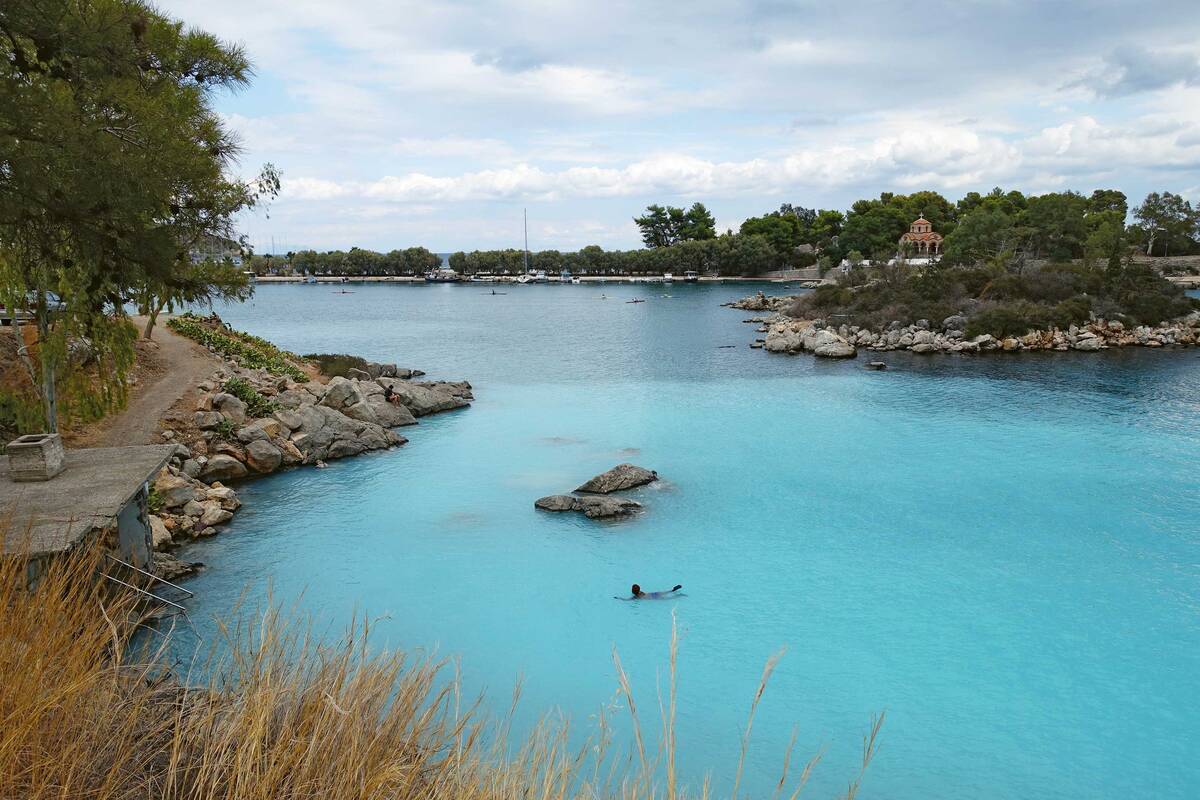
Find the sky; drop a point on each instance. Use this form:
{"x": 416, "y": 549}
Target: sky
{"x": 398, "y": 124}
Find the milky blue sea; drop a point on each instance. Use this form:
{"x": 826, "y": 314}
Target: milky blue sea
{"x": 1002, "y": 552}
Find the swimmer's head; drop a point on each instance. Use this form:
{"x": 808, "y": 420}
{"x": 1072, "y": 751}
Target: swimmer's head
{"x": 636, "y": 590}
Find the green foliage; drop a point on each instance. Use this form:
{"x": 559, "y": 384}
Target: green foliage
{"x": 1168, "y": 224}
{"x": 355, "y": 261}
{"x": 226, "y": 429}
{"x": 256, "y": 405}
{"x": 154, "y": 500}
{"x": 249, "y": 351}
{"x": 114, "y": 161}
{"x": 19, "y": 414}
{"x": 665, "y": 226}
{"x": 999, "y": 302}
{"x": 336, "y": 365}
{"x": 1016, "y": 319}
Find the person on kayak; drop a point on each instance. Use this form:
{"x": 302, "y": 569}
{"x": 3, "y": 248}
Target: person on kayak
{"x": 638, "y": 594}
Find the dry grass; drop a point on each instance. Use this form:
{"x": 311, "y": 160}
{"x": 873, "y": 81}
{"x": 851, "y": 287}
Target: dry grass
{"x": 280, "y": 716}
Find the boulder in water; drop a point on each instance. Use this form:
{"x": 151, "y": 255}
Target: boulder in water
{"x": 619, "y": 478}
{"x": 591, "y": 507}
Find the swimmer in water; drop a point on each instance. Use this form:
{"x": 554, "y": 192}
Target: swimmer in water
{"x": 638, "y": 594}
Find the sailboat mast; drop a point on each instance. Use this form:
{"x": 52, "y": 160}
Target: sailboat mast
{"x": 525, "y": 213}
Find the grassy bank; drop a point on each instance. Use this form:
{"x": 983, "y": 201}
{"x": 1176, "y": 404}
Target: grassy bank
{"x": 281, "y": 715}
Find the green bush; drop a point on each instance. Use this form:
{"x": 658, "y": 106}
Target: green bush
{"x": 226, "y": 429}
{"x": 248, "y": 351}
{"x": 256, "y": 404}
{"x": 154, "y": 500}
{"x": 1014, "y": 319}
{"x": 18, "y": 415}
{"x": 336, "y": 365}
{"x": 1073, "y": 311}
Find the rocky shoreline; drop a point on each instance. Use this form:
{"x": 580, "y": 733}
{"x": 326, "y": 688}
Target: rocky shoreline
{"x": 250, "y": 422}
{"x": 787, "y": 335}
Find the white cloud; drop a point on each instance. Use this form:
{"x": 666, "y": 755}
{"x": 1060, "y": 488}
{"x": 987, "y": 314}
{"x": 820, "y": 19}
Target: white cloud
{"x": 374, "y": 107}
{"x": 934, "y": 156}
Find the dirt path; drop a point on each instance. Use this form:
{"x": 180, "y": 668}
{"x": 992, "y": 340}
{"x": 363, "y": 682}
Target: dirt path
{"x": 178, "y": 364}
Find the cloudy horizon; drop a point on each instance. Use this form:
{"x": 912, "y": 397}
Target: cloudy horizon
{"x": 404, "y": 124}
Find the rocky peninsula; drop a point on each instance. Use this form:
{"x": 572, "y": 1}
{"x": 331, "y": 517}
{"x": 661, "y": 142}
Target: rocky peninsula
{"x": 787, "y": 334}
{"x": 248, "y": 422}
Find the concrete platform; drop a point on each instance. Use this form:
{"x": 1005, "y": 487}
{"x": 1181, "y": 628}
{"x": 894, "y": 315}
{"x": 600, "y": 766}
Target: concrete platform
{"x": 89, "y": 494}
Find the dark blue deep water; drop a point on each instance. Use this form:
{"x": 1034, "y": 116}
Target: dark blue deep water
{"x": 1001, "y": 551}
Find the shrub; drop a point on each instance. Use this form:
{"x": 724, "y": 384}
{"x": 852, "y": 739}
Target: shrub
{"x": 226, "y": 429}
{"x": 1073, "y": 311}
{"x": 336, "y": 365}
{"x": 1014, "y": 319}
{"x": 256, "y": 404}
{"x": 248, "y": 351}
{"x": 154, "y": 500}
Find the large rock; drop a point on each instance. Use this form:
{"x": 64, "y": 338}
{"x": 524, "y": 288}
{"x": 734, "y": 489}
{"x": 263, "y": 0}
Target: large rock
{"x": 207, "y": 420}
{"x": 288, "y": 418}
{"x": 423, "y": 398}
{"x": 262, "y": 456}
{"x": 619, "y": 478}
{"x": 827, "y": 344}
{"x": 214, "y": 515}
{"x": 170, "y": 568}
{"x": 1088, "y": 345}
{"x": 340, "y": 393}
{"x": 293, "y": 398}
{"x": 225, "y": 496}
{"x": 954, "y": 322}
{"x": 160, "y": 537}
{"x": 782, "y": 340}
{"x": 591, "y": 507}
{"x": 326, "y": 433}
{"x": 556, "y": 502}
{"x": 603, "y": 507}
{"x": 223, "y": 467}
{"x": 230, "y": 407}
{"x": 175, "y": 491}
{"x": 266, "y": 428}
{"x": 389, "y": 415}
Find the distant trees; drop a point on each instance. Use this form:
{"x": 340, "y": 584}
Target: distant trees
{"x": 1003, "y": 230}
{"x": 663, "y": 226}
{"x": 356, "y": 261}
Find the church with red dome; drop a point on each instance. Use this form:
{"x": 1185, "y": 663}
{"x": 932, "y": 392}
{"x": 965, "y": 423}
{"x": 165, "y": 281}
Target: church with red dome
{"x": 921, "y": 239}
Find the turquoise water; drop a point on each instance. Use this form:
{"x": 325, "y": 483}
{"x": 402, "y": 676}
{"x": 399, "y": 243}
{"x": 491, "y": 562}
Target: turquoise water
{"x": 1003, "y": 552}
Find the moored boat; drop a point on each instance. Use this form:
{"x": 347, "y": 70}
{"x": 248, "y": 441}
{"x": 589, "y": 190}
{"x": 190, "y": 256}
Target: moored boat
{"x": 442, "y": 276}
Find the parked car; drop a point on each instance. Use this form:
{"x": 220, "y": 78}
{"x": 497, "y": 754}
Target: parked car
{"x": 26, "y": 313}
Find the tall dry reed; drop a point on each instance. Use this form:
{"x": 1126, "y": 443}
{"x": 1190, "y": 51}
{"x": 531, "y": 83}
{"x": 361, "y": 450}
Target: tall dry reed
{"x": 280, "y": 715}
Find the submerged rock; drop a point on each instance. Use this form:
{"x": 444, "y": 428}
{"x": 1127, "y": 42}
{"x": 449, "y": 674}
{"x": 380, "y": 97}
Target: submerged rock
{"x": 620, "y": 477}
{"x": 170, "y": 568}
{"x": 590, "y": 507}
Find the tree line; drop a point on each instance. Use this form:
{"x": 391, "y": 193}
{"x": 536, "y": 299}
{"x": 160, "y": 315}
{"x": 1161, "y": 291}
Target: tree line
{"x": 1058, "y": 226}
{"x": 355, "y": 261}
